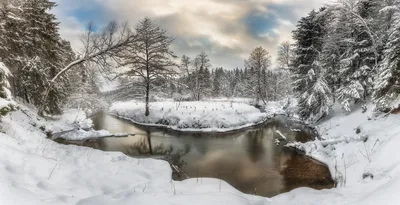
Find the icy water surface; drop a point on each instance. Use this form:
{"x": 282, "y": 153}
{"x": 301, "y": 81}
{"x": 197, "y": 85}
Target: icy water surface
{"x": 248, "y": 160}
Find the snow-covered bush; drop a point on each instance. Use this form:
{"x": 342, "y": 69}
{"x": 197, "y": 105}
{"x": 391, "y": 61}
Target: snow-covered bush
{"x": 6, "y": 103}
{"x": 180, "y": 97}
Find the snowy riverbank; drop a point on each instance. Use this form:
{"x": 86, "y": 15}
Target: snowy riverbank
{"x": 360, "y": 150}
{"x": 192, "y": 116}
{"x": 37, "y": 171}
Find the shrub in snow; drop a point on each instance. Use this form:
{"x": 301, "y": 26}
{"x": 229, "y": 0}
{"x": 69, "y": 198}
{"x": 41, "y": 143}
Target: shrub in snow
{"x": 6, "y": 103}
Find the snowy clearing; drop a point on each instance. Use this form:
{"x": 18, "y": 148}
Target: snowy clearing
{"x": 192, "y": 116}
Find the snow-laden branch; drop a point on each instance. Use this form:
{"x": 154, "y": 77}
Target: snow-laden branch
{"x": 86, "y": 58}
{"x": 99, "y": 48}
{"x": 349, "y": 8}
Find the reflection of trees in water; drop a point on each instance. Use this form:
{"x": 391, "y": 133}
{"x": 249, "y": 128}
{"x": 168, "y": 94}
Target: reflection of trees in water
{"x": 303, "y": 136}
{"x": 255, "y": 145}
{"x": 168, "y": 153}
{"x": 97, "y": 121}
{"x": 149, "y": 141}
{"x": 300, "y": 171}
{"x": 255, "y": 163}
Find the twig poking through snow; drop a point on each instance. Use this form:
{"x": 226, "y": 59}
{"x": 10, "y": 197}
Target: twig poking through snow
{"x": 144, "y": 188}
{"x": 51, "y": 173}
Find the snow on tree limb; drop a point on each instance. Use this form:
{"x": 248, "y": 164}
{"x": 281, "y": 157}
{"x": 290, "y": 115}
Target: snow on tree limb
{"x": 98, "y": 49}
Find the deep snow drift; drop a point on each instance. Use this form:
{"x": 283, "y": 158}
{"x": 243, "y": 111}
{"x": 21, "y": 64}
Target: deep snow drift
{"x": 192, "y": 116}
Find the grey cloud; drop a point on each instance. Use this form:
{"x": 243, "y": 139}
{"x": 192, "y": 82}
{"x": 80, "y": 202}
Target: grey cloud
{"x": 213, "y": 26}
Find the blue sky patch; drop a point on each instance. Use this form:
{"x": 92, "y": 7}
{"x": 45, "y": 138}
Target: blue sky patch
{"x": 259, "y": 24}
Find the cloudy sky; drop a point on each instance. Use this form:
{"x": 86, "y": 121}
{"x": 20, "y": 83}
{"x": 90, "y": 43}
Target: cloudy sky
{"x": 227, "y": 30}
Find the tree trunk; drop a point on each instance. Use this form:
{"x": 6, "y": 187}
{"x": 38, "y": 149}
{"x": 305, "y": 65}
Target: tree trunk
{"x": 197, "y": 87}
{"x": 26, "y": 96}
{"x": 147, "y": 99}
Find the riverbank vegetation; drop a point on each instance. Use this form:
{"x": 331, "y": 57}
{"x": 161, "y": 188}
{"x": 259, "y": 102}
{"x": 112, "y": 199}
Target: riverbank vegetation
{"x": 192, "y": 116}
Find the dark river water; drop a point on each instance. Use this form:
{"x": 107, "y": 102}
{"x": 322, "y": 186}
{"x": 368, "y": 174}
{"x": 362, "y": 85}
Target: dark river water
{"x": 249, "y": 160}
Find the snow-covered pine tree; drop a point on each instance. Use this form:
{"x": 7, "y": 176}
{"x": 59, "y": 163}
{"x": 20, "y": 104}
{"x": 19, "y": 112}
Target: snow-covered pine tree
{"x": 33, "y": 50}
{"x": 6, "y": 103}
{"x": 333, "y": 46}
{"x": 241, "y": 84}
{"x": 387, "y": 81}
{"x": 230, "y": 82}
{"x": 205, "y": 81}
{"x": 12, "y": 42}
{"x": 359, "y": 56}
{"x": 45, "y": 49}
{"x": 317, "y": 101}
{"x": 202, "y": 82}
{"x": 306, "y": 73}
{"x": 218, "y": 75}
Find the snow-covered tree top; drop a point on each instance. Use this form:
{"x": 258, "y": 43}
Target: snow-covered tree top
{"x": 4, "y": 70}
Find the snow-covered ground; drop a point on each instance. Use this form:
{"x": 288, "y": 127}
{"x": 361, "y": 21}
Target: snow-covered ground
{"x": 236, "y": 100}
{"x": 282, "y": 107}
{"x": 71, "y": 119}
{"x": 36, "y": 170}
{"x": 361, "y": 152}
{"x": 192, "y": 116}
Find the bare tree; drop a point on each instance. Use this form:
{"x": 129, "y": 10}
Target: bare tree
{"x": 148, "y": 58}
{"x": 100, "y": 48}
{"x": 285, "y": 54}
{"x": 185, "y": 65}
{"x": 258, "y": 62}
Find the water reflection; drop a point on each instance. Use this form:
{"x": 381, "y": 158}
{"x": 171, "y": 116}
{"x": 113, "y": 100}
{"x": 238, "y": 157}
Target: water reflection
{"x": 248, "y": 160}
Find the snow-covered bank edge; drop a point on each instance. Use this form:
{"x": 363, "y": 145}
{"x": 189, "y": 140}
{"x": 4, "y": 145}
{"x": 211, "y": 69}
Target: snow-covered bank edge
{"x": 198, "y": 116}
{"x": 86, "y": 135}
{"x": 190, "y": 130}
{"x": 73, "y": 125}
{"x": 359, "y": 149}
{"x": 214, "y": 115}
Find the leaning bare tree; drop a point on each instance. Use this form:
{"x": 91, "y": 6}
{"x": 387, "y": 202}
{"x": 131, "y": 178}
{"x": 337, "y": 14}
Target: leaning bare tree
{"x": 149, "y": 58}
{"x": 100, "y": 48}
